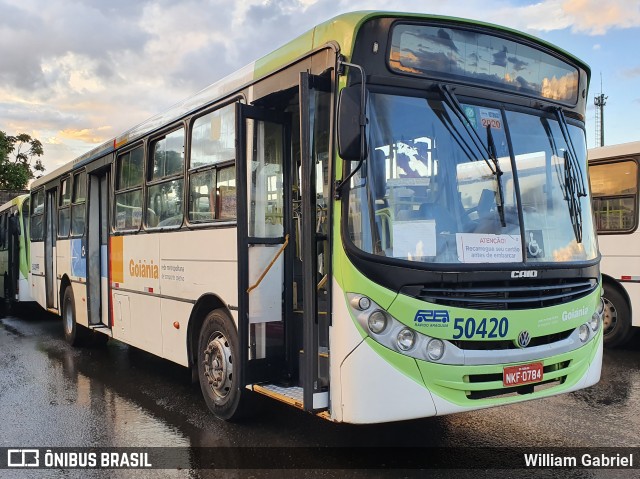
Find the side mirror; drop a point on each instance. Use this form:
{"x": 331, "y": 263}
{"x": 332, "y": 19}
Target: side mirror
{"x": 350, "y": 131}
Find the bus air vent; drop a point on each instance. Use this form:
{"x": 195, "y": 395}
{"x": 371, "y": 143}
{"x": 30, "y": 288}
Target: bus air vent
{"x": 504, "y": 295}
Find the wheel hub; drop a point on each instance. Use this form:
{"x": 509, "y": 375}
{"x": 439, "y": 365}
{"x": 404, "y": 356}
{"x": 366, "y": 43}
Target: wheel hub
{"x": 68, "y": 319}
{"x": 218, "y": 367}
{"x": 610, "y": 317}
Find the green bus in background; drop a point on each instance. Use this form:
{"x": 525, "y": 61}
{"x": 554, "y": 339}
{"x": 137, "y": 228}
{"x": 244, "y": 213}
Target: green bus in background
{"x": 15, "y": 250}
{"x": 386, "y": 218}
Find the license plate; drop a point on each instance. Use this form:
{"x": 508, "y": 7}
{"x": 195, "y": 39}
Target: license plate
{"x": 522, "y": 374}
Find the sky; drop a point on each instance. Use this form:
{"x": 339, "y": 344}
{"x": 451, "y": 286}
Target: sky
{"x": 76, "y": 73}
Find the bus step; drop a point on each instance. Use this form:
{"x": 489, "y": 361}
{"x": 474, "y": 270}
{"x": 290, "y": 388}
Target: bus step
{"x": 100, "y": 326}
{"x": 292, "y": 396}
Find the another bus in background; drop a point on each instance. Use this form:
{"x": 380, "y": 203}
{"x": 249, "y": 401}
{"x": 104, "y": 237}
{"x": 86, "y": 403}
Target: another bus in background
{"x": 14, "y": 251}
{"x": 613, "y": 171}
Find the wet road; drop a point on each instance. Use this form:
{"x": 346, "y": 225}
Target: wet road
{"x": 52, "y": 395}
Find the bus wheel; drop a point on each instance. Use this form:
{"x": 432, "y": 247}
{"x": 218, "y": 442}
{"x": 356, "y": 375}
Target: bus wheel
{"x": 74, "y": 334}
{"x": 617, "y": 318}
{"x": 217, "y": 362}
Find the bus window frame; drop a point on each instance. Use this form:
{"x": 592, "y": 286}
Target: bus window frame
{"x": 61, "y": 207}
{"x": 635, "y": 196}
{"x": 148, "y": 183}
{"x": 74, "y": 203}
{"x": 434, "y": 77}
{"x": 116, "y": 190}
{"x": 3, "y": 230}
{"x": 216, "y": 221}
{"x": 35, "y": 193}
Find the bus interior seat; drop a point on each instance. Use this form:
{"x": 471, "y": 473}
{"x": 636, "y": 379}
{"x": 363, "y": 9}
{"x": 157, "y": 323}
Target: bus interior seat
{"x": 444, "y": 221}
{"x": 486, "y": 203}
{"x": 406, "y": 215}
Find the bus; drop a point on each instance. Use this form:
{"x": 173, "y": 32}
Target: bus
{"x": 14, "y": 251}
{"x": 613, "y": 172}
{"x": 342, "y": 226}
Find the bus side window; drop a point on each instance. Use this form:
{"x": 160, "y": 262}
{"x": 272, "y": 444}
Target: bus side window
{"x": 64, "y": 209}
{"x": 129, "y": 175}
{"x": 212, "y": 181}
{"x": 78, "y": 208}
{"x": 37, "y": 215}
{"x": 165, "y": 181}
{"x": 615, "y": 189}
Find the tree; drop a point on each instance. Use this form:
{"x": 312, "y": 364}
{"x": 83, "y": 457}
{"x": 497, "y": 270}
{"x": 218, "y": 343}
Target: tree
{"x": 16, "y": 155}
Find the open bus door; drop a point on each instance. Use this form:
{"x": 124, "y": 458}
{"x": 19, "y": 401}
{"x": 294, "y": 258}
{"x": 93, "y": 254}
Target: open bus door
{"x": 284, "y": 250}
{"x": 51, "y": 235}
{"x": 98, "y": 250}
{"x": 263, "y": 212}
{"x": 315, "y": 114}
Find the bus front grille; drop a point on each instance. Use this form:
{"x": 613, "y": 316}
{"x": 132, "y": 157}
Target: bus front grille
{"x": 504, "y": 295}
{"x": 509, "y": 344}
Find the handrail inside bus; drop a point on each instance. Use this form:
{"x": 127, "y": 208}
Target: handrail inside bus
{"x": 266, "y": 270}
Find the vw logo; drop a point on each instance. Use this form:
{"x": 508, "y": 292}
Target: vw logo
{"x": 524, "y": 338}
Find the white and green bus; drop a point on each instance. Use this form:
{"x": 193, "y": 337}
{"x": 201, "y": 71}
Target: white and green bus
{"x": 14, "y": 251}
{"x": 387, "y": 218}
{"x": 614, "y": 180}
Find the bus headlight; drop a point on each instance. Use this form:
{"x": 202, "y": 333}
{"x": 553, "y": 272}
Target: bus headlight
{"x": 583, "y": 333}
{"x": 435, "y": 349}
{"x": 594, "y": 322}
{"x": 361, "y": 303}
{"x": 600, "y": 308}
{"x": 405, "y": 339}
{"x": 377, "y": 322}
{"x": 381, "y": 327}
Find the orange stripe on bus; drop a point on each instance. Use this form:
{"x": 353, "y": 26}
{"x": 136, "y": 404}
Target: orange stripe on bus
{"x": 117, "y": 263}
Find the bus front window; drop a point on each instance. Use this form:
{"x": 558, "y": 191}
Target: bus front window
{"x": 428, "y": 191}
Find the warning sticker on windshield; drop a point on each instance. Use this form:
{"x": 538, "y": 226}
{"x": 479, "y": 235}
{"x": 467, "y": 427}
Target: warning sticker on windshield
{"x": 490, "y": 118}
{"x": 488, "y": 248}
{"x": 414, "y": 239}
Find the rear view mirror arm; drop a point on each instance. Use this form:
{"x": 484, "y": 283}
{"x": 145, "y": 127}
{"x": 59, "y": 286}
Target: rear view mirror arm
{"x": 363, "y": 125}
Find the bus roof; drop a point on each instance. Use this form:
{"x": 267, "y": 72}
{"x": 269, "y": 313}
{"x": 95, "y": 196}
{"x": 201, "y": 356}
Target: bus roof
{"x": 17, "y": 201}
{"x": 341, "y": 29}
{"x": 613, "y": 151}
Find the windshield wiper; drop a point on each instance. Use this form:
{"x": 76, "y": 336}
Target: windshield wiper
{"x": 574, "y": 187}
{"x": 485, "y": 151}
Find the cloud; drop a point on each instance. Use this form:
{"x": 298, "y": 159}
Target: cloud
{"x": 596, "y": 17}
{"x": 81, "y": 72}
{"x": 87, "y": 135}
{"x": 631, "y": 73}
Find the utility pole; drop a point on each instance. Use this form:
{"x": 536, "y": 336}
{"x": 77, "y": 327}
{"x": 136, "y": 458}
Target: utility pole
{"x": 600, "y": 101}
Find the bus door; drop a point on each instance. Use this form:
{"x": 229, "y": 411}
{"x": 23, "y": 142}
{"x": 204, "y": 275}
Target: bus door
{"x": 14, "y": 253}
{"x": 50, "y": 235}
{"x": 313, "y": 225}
{"x": 263, "y": 222}
{"x": 97, "y": 250}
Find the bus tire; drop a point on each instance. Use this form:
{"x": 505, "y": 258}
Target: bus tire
{"x": 74, "y": 334}
{"x": 218, "y": 359}
{"x": 616, "y": 318}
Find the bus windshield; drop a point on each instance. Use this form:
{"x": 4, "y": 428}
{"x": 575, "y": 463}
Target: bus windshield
{"x": 429, "y": 191}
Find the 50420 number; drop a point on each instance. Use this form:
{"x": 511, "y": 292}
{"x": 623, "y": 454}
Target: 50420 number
{"x": 486, "y": 328}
